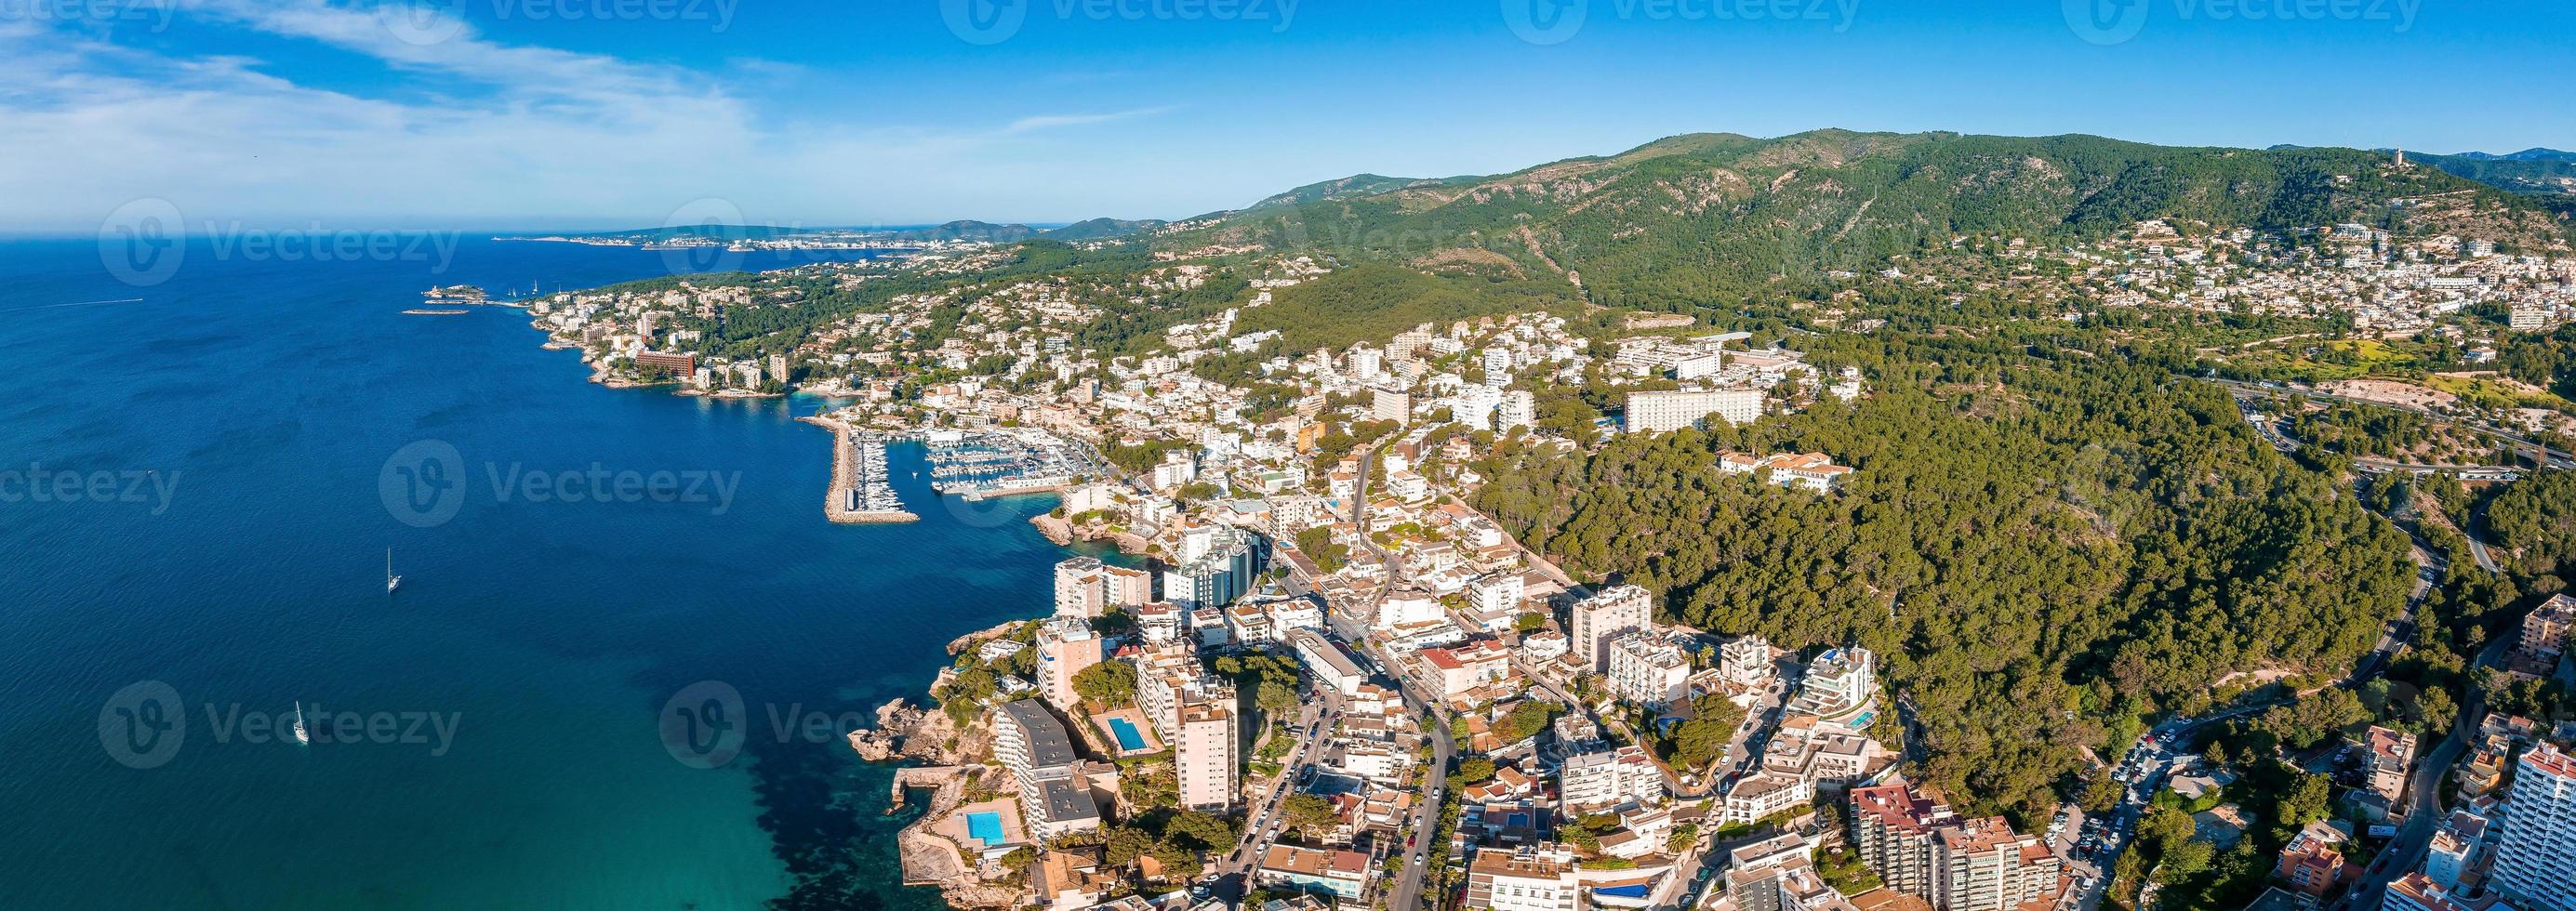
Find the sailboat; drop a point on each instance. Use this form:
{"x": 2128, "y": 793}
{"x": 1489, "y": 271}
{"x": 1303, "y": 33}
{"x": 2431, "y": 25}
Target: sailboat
{"x": 301, "y": 736}
{"x": 392, "y": 581}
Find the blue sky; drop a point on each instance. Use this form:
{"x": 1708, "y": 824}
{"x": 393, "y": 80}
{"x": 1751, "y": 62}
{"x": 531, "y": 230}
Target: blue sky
{"x": 509, "y": 114}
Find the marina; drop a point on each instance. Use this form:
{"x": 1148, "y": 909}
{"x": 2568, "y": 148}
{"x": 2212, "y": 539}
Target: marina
{"x": 1006, "y": 462}
{"x": 860, "y": 493}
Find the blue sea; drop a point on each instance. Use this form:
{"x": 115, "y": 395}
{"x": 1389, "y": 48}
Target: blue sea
{"x": 617, "y": 670}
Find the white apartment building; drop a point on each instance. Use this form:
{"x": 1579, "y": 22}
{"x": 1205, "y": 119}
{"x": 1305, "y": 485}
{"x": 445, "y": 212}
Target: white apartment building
{"x": 1390, "y": 405}
{"x": 1497, "y": 594}
{"x": 2390, "y": 755}
{"x": 1474, "y": 406}
{"x": 1367, "y": 363}
{"x": 1080, "y": 589}
{"x": 1168, "y": 679}
{"x": 1649, "y": 670}
{"x": 1293, "y": 615}
{"x": 1327, "y": 662}
{"x": 1407, "y": 607}
{"x": 1030, "y": 742}
{"x": 2532, "y": 316}
{"x": 1518, "y": 409}
{"x": 1066, "y": 647}
{"x": 1593, "y": 782}
{"x": 1893, "y": 830}
{"x": 1791, "y": 885}
{"x": 2545, "y": 629}
{"x": 1810, "y": 470}
{"x": 1542, "y": 647}
{"x": 1206, "y": 756}
{"x": 1378, "y": 762}
{"x": 1127, "y": 588}
{"x": 1839, "y": 683}
{"x": 2418, "y": 892}
{"x": 1659, "y": 412}
{"x": 1541, "y": 877}
{"x": 2536, "y": 852}
{"x": 1175, "y": 471}
{"x": 1763, "y": 794}
{"x": 1159, "y": 623}
{"x": 2447, "y": 857}
{"x": 1745, "y": 661}
{"x": 1983, "y": 865}
{"x": 1602, "y": 617}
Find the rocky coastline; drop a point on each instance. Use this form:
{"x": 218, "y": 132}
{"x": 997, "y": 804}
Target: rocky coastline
{"x": 946, "y": 758}
{"x": 1065, "y": 534}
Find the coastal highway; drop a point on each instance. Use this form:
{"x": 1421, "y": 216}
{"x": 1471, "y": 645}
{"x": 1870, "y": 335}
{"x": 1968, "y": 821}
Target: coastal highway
{"x": 1407, "y": 894}
{"x": 2272, "y": 433}
{"x": 2423, "y": 791}
{"x": 2551, "y": 458}
{"x": 2423, "y": 788}
{"x": 1422, "y": 834}
{"x": 1264, "y": 823}
{"x": 2477, "y": 542}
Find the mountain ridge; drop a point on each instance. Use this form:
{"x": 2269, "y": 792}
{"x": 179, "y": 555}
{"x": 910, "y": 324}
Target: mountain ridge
{"x": 960, "y": 230}
{"x": 1687, "y": 216}
{"x": 2530, "y": 154}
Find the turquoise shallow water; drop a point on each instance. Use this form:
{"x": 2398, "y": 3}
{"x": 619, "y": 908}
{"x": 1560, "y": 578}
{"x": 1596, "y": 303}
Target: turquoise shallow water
{"x": 491, "y": 736}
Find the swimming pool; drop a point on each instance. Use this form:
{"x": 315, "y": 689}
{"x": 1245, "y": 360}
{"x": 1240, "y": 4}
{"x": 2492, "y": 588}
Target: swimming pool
{"x": 1128, "y": 739}
{"x": 985, "y": 827}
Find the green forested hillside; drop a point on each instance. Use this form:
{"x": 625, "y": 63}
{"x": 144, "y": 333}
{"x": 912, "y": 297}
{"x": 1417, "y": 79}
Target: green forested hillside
{"x": 1100, "y": 228}
{"x": 2534, "y": 522}
{"x": 1372, "y": 302}
{"x": 1692, "y": 219}
{"x": 2532, "y": 172}
{"x": 2040, "y": 551}
{"x": 1354, "y": 185}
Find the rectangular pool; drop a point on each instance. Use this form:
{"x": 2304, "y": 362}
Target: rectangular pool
{"x": 985, "y": 827}
{"x": 1129, "y": 740}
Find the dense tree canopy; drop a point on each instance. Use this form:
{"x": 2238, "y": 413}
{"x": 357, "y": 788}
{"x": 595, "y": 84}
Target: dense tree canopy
{"x": 2535, "y": 520}
{"x": 2035, "y": 549}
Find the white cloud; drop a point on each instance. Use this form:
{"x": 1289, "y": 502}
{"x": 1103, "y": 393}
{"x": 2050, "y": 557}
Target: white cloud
{"x": 475, "y": 131}
{"x": 1052, "y": 121}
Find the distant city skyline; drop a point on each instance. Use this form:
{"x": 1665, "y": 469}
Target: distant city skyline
{"x": 613, "y": 114}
